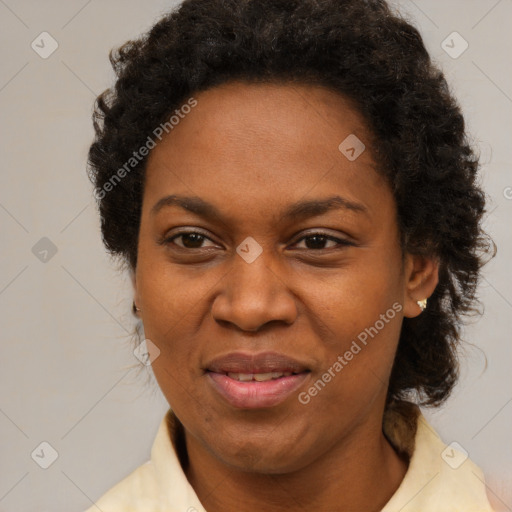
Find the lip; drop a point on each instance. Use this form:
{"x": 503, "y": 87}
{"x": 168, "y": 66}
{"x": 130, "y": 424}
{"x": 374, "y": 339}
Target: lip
{"x": 263, "y": 362}
{"x": 254, "y": 394}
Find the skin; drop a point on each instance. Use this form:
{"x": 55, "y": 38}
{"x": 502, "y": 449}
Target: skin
{"x": 252, "y": 150}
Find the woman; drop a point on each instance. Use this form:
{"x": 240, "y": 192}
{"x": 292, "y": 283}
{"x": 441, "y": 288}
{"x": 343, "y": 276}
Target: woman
{"x": 290, "y": 186}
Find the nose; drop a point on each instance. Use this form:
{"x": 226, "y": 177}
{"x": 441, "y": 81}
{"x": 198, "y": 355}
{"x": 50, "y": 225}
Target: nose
{"x": 253, "y": 295}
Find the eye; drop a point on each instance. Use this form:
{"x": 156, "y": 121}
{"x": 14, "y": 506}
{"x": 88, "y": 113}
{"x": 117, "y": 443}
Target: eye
{"x": 313, "y": 241}
{"x": 190, "y": 240}
{"x": 318, "y": 240}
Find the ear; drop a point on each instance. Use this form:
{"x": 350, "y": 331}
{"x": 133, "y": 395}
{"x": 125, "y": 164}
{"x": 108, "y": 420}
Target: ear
{"x": 135, "y": 292}
{"x": 421, "y": 278}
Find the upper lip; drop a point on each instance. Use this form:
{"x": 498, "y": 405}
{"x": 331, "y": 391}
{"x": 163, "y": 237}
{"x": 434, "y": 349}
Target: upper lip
{"x": 264, "y": 362}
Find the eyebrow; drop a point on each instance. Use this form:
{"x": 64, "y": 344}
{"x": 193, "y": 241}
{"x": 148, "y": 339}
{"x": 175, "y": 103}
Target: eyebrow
{"x": 299, "y": 210}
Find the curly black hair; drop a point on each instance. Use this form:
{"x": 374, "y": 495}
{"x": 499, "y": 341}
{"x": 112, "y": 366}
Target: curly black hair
{"x": 369, "y": 54}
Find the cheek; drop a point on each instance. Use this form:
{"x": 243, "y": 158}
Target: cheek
{"x": 356, "y": 296}
{"x": 171, "y": 295}
{"x": 168, "y": 307}
{"x": 361, "y": 313}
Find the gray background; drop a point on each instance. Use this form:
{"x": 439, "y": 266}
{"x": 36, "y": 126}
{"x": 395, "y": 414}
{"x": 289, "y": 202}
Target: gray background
{"x": 68, "y": 375}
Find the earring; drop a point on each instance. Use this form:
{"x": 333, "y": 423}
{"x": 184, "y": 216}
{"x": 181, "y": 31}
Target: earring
{"x": 422, "y": 304}
{"x": 135, "y": 308}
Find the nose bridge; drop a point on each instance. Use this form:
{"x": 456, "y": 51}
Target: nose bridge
{"x": 252, "y": 293}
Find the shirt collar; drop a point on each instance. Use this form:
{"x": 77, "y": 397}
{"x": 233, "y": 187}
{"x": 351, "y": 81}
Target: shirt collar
{"x": 429, "y": 481}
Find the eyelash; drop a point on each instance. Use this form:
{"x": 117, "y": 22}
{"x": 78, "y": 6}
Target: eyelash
{"x": 341, "y": 242}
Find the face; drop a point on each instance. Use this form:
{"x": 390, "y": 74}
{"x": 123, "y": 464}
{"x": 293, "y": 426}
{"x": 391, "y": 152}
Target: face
{"x": 287, "y": 258}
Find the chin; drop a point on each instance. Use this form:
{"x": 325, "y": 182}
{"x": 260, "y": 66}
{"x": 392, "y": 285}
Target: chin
{"x": 260, "y": 457}
{"x": 265, "y": 465}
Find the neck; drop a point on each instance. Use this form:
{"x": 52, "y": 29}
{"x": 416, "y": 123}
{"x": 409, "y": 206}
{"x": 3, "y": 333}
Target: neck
{"x": 360, "y": 472}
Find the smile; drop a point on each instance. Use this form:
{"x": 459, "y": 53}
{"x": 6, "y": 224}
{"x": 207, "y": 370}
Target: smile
{"x": 256, "y": 390}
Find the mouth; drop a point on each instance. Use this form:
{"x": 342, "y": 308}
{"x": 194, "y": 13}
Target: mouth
{"x": 252, "y": 381}
{"x": 258, "y": 377}
{"x": 246, "y": 363}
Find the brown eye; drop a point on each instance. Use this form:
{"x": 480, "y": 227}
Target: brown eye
{"x": 190, "y": 240}
{"x": 317, "y": 241}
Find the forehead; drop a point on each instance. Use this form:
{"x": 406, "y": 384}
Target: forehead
{"x": 265, "y": 144}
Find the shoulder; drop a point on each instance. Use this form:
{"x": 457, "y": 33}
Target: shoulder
{"x": 159, "y": 485}
{"x": 137, "y": 492}
{"x": 440, "y": 477}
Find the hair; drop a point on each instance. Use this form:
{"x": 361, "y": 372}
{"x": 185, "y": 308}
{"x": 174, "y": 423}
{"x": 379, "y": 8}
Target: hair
{"x": 369, "y": 55}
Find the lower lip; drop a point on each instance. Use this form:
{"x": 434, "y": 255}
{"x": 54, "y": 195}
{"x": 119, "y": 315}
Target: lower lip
{"x": 254, "y": 394}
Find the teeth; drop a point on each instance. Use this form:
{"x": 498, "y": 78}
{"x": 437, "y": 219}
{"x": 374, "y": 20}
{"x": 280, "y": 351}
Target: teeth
{"x": 259, "y": 377}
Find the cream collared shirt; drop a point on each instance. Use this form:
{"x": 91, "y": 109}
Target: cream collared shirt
{"x": 440, "y": 478}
